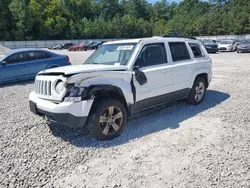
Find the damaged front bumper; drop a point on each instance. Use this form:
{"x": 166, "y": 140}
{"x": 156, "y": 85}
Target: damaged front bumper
{"x": 72, "y": 114}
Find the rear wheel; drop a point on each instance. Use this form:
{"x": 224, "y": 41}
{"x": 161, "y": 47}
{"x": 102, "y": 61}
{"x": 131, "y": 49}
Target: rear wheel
{"x": 107, "y": 120}
{"x": 197, "y": 92}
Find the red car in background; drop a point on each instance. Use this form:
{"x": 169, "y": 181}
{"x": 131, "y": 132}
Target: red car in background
{"x": 80, "y": 47}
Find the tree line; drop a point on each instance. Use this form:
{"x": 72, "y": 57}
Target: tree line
{"x": 79, "y": 19}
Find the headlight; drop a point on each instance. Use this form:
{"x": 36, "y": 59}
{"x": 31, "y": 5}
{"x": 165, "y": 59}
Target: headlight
{"x": 59, "y": 87}
{"x": 74, "y": 94}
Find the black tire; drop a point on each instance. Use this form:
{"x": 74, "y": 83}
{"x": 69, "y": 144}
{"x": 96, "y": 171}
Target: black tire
{"x": 192, "y": 98}
{"x": 101, "y": 109}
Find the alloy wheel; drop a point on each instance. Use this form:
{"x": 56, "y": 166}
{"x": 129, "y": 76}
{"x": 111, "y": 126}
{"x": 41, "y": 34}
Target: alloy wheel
{"x": 199, "y": 91}
{"x": 111, "y": 120}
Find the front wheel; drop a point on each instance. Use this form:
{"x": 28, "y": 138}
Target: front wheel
{"x": 197, "y": 92}
{"x": 107, "y": 120}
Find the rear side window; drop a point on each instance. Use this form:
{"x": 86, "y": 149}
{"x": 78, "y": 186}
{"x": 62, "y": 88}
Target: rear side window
{"x": 196, "y": 49}
{"x": 179, "y": 51}
{"x": 36, "y": 55}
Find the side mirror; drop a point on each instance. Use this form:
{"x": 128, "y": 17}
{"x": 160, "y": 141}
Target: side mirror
{"x": 4, "y": 63}
{"x": 140, "y": 76}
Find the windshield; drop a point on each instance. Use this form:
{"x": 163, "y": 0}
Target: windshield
{"x": 3, "y": 52}
{"x": 112, "y": 54}
{"x": 247, "y": 41}
{"x": 226, "y": 42}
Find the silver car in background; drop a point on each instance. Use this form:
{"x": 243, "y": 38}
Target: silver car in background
{"x": 244, "y": 46}
{"x": 227, "y": 46}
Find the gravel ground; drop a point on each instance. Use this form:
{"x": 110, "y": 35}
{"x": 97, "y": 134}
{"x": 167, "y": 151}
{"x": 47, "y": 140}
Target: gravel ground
{"x": 175, "y": 146}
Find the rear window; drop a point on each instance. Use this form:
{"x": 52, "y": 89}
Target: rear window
{"x": 179, "y": 51}
{"x": 196, "y": 49}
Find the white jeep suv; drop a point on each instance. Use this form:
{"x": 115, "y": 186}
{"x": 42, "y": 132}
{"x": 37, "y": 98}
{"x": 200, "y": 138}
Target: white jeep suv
{"x": 120, "y": 79}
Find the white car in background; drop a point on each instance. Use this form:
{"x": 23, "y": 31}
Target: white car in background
{"x": 227, "y": 46}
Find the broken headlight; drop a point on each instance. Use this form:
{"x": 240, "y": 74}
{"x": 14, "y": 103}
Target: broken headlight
{"x": 74, "y": 94}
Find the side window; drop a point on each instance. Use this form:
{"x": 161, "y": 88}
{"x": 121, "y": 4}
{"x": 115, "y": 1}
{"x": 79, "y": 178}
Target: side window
{"x": 152, "y": 54}
{"x": 36, "y": 55}
{"x": 196, "y": 50}
{"x": 17, "y": 58}
{"x": 47, "y": 55}
{"x": 179, "y": 51}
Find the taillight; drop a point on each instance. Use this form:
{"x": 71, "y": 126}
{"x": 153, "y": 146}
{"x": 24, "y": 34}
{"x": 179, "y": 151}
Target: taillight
{"x": 67, "y": 58}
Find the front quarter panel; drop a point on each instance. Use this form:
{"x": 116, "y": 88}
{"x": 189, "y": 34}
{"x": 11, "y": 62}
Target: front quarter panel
{"x": 120, "y": 79}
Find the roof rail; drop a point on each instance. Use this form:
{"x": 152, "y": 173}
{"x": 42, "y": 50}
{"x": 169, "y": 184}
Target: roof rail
{"x": 172, "y": 36}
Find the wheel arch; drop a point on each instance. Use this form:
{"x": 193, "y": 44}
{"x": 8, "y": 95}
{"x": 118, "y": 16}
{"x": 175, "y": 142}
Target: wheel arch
{"x": 102, "y": 92}
{"x": 204, "y": 76}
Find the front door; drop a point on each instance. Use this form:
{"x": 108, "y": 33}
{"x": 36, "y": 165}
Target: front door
{"x": 152, "y": 61}
{"x": 16, "y": 68}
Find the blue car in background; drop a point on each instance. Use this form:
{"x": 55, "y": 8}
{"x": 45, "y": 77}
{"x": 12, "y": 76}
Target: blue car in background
{"x": 24, "y": 64}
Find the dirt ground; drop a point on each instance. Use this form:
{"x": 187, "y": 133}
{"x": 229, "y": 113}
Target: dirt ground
{"x": 174, "y": 146}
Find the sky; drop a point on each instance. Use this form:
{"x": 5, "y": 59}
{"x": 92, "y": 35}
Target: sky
{"x": 169, "y": 1}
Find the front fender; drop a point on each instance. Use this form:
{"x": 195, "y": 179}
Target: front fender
{"x": 119, "y": 79}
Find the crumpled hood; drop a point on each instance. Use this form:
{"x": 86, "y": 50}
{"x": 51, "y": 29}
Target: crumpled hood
{"x": 76, "y": 69}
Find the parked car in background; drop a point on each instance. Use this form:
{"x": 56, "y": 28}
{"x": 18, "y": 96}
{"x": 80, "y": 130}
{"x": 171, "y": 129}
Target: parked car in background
{"x": 80, "y": 47}
{"x": 24, "y": 64}
{"x": 87, "y": 45}
{"x": 53, "y": 46}
{"x": 63, "y": 46}
{"x": 244, "y": 46}
{"x": 237, "y": 42}
{"x": 227, "y": 46}
{"x": 96, "y": 45}
{"x": 210, "y": 46}
{"x": 76, "y": 47}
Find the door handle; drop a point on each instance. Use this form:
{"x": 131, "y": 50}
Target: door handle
{"x": 165, "y": 71}
{"x": 190, "y": 65}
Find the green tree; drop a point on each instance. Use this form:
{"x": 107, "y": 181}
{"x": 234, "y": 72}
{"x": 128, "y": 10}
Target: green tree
{"x": 6, "y": 22}
{"x": 19, "y": 13}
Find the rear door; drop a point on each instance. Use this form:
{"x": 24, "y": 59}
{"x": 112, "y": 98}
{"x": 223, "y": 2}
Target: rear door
{"x": 182, "y": 66}
{"x": 16, "y": 68}
{"x": 37, "y": 61}
{"x": 154, "y": 64}
{"x": 187, "y": 57}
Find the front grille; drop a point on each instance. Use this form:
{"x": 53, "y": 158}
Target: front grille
{"x": 223, "y": 48}
{"x": 43, "y": 87}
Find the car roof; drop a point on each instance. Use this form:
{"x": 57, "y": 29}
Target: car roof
{"x": 25, "y": 50}
{"x": 153, "y": 39}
